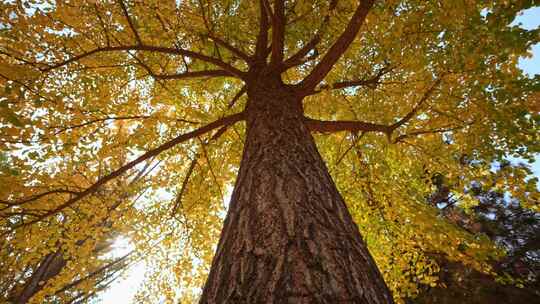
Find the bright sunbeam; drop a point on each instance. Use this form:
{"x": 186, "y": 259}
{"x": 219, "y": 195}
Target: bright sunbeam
{"x": 124, "y": 289}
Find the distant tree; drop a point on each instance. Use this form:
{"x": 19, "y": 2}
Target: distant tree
{"x": 513, "y": 227}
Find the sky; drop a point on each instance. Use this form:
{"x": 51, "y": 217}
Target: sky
{"x": 530, "y": 19}
{"x": 125, "y": 288}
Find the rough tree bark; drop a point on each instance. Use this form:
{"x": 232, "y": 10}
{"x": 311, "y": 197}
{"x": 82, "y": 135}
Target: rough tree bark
{"x": 288, "y": 236}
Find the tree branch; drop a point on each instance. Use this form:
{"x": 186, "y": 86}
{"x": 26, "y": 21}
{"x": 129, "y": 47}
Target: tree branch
{"x": 337, "y": 49}
{"x": 148, "y": 48}
{"x": 262, "y": 38}
{"x": 400, "y": 138}
{"x": 34, "y": 197}
{"x": 369, "y": 82}
{"x": 298, "y": 58}
{"x": 178, "y": 201}
{"x": 413, "y": 112}
{"x": 93, "y": 121}
{"x": 356, "y": 126}
{"x": 356, "y": 139}
{"x": 196, "y": 74}
{"x": 95, "y": 272}
{"x": 278, "y": 33}
{"x": 228, "y": 120}
{"x": 344, "y": 125}
{"x": 180, "y": 195}
{"x": 130, "y": 22}
{"x": 233, "y": 101}
{"x": 267, "y": 8}
{"x": 240, "y": 54}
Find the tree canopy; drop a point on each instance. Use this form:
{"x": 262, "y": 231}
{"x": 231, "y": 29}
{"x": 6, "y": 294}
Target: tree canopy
{"x": 124, "y": 118}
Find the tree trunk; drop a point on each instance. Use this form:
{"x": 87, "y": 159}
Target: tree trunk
{"x": 288, "y": 236}
{"x": 50, "y": 266}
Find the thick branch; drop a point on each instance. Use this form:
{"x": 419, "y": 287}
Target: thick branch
{"x": 278, "y": 32}
{"x": 337, "y": 49}
{"x": 148, "y": 48}
{"x": 356, "y": 126}
{"x": 267, "y": 8}
{"x": 344, "y": 125}
{"x": 179, "y": 139}
{"x": 262, "y": 37}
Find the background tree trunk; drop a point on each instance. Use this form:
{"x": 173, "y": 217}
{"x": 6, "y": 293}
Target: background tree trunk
{"x": 288, "y": 236}
{"x": 50, "y": 266}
